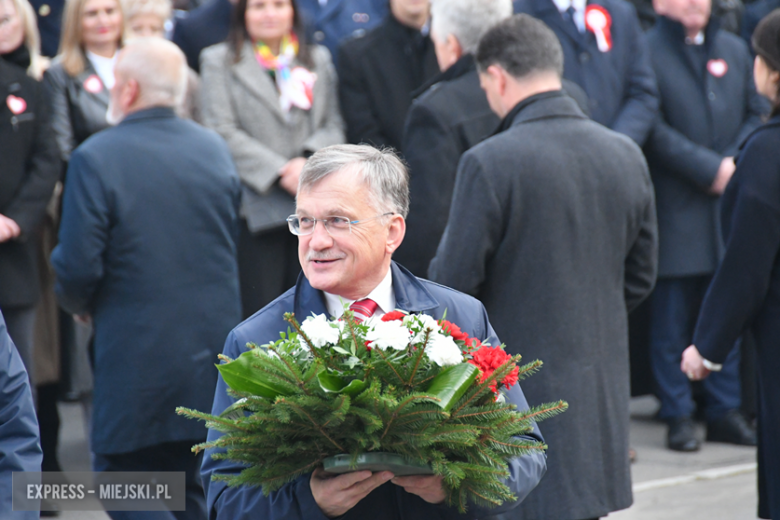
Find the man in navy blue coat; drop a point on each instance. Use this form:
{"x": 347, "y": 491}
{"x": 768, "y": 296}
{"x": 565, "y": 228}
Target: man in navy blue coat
{"x": 613, "y": 68}
{"x": 202, "y": 27}
{"x": 20, "y": 449}
{"x": 368, "y": 189}
{"x": 148, "y": 250}
{"x": 709, "y": 105}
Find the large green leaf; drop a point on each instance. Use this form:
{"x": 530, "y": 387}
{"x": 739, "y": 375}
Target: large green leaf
{"x": 452, "y": 383}
{"x": 241, "y": 376}
{"x": 332, "y": 383}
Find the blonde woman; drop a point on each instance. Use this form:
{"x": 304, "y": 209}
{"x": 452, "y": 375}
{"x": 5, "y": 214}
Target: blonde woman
{"x": 20, "y": 42}
{"x": 81, "y": 76}
{"x": 147, "y": 19}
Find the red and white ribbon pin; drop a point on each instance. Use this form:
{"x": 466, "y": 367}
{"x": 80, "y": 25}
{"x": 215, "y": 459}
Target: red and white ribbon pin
{"x": 718, "y": 68}
{"x": 598, "y": 21}
{"x": 93, "y": 85}
{"x": 15, "y": 104}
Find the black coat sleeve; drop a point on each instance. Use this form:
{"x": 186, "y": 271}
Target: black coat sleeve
{"x": 362, "y": 122}
{"x": 742, "y": 281}
{"x": 641, "y": 264}
{"x": 473, "y": 190}
{"x": 432, "y": 153}
{"x": 640, "y": 103}
{"x": 43, "y": 170}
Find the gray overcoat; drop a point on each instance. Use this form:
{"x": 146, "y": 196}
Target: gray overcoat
{"x": 553, "y": 228}
{"x": 240, "y": 101}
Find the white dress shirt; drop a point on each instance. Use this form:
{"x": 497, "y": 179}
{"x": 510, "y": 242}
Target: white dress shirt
{"x": 382, "y": 294}
{"x": 579, "y": 11}
{"x": 104, "y": 68}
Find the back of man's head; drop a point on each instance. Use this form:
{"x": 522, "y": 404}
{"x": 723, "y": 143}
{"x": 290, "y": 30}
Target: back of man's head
{"x": 467, "y": 20}
{"x": 158, "y": 67}
{"x": 522, "y": 46}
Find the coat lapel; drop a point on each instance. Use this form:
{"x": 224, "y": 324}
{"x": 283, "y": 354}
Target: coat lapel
{"x": 104, "y": 94}
{"x": 410, "y": 295}
{"x": 257, "y": 80}
{"x": 329, "y": 10}
{"x": 549, "y": 14}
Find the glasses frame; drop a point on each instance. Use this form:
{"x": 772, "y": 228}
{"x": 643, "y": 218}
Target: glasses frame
{"x": 325, "y": 222}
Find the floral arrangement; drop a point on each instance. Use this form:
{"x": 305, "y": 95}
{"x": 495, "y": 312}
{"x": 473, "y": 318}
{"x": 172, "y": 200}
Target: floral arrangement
{"x": 406, "y": 384}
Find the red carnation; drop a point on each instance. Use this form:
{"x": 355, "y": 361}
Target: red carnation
{"x": 488, "y": 359}
{"x": 393, "y": 316}
{"x": 473, "y": 343}
{"x": 454, "y": 331}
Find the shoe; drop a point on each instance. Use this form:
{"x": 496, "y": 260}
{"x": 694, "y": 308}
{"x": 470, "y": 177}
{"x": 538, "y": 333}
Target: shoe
{"x": 733, "y": 429}
{"x": 682, "y": 435}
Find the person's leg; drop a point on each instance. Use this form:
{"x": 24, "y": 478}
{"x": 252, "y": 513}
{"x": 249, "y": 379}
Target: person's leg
{"x": 21, "y": 325}
{"x": 670, "y": 325}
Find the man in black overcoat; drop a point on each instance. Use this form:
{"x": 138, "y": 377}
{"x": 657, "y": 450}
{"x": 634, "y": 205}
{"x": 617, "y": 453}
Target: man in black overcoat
{"x": 553, "y": 228}
{"x": 449, "y": 118}
{"x": 379, "y": 72}
{"x": 29, "y": 169}
{"x": 148, "y": 249}
{"x": 709, "y": 105}
{"x": 613, "y": 67}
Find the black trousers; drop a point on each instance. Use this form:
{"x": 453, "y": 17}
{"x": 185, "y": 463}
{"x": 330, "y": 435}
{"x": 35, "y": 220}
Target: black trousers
{"x": 169, "y": 456}
{"x": 267, "y": 266}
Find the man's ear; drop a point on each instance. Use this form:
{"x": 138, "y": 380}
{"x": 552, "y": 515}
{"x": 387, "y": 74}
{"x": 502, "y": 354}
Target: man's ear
{"x": 130, "y": 94}
{"x": 395, "y": 234}
{"x": 498, "y": 75}
{"x": 454, "y": 46}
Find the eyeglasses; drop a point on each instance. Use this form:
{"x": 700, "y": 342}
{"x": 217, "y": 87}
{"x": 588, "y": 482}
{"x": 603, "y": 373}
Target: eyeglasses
{"x": 333, "y": 225}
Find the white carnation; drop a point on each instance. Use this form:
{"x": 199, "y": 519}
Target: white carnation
{"x": 443, "y": 350}
{"x": 320, "y": 331}
{"x": 389, "y": 334}
{"x": 423, "y": 322}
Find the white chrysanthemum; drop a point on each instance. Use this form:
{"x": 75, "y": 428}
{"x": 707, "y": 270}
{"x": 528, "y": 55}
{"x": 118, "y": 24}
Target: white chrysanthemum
{"x": 388, "y": 334}
{"x": 320, "y": 331}
{"x": 423, "y": 322}
{"x": 443, "y": 350}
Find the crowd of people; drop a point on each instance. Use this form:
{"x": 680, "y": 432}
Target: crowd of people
{"x": 561, "y": 162}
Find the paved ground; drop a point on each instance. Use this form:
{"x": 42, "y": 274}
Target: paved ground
{"x": 717, "y": 483}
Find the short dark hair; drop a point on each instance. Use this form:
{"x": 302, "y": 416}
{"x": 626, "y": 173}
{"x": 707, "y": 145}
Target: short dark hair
{"x": 521, "y": 45}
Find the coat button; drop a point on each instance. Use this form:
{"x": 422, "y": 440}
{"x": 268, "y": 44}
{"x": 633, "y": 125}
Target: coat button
{"x": 319, "y": 36}
{"x": 359, "y": 33}
{"x": 711, "y": 96}
{"x": 584, "y": 57}
{"x": 44, "y": 10}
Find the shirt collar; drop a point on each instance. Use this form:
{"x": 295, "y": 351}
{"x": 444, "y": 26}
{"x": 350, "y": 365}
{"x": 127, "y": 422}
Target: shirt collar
{"x": 563, "y": 5}
{"x": 382, "y": 294}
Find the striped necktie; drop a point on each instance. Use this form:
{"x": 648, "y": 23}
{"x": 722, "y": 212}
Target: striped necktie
{"x": 363, "y": 309}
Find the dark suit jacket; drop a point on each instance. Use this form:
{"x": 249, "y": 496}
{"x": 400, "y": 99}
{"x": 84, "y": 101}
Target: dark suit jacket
{"x": 340, "y": 20}
{"x": 18, "y": 425}
{"x": 294, "y": 501}
{"x": 703, "y": 118}
{"x": 49, "y": 16}
{"x": 76, "y": 112}
{"x": 377, "y": 75}
{"x": 29, "y": 169}
{"x": 745, "y": 292}
{"x": 148, "y": 248}
{"x": 559, "y": 242}
{"x": 620, "y": 83}
{"x": 203, "y": 27}
{"x": 448, "y": 119}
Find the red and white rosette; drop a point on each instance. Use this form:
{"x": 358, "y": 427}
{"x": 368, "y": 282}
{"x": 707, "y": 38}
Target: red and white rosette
{"x": 598, "y": 21}
{"x": 92, "y": 84}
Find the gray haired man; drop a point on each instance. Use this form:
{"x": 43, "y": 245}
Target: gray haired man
{"x": 448, "y": 119}
{"x": 350, "y": 219}
{"x": 553, "y": 228}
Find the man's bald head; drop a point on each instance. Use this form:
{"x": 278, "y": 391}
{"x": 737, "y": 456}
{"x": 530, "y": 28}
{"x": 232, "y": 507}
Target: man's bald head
{"x": 149, "y": 72}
